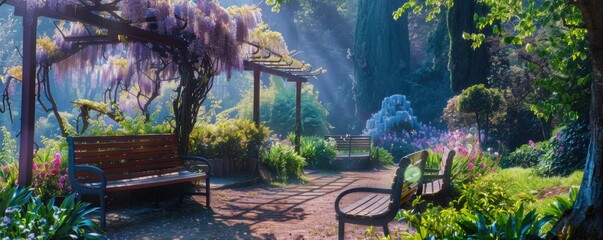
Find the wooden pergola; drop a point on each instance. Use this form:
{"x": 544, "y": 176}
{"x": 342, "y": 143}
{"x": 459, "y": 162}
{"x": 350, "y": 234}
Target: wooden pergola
{"x": 104, "y": 16}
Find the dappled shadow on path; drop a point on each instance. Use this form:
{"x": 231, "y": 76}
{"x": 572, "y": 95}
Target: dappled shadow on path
{"x": 297, "y": 211}
{"x": 279, "y": 204}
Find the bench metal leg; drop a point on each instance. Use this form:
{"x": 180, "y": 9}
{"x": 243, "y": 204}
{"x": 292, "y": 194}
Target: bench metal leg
{"x": 103, "y": 213}
{"x": 385, "y": 230}
{"x": 207, "y": 192}
{"x": 341, "y": 230}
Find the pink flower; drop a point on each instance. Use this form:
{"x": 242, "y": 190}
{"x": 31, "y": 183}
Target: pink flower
{"x": 62, "y": 179}
{"x": 59, "y": 186}
{"x": 481, "y": 165}
{"x": 55, "y": 171}
{"x": 46, "y": 166}
{"x": 57, "y": 160}
{"x": 5, "y": 170}
{"x": 470, "y": 166}
{"x": 36, "y": 166}
{"x": 532, "y": 144}
{"x": 559, "y": 134}
{"x": 42, "y": 173}
{"x": 560, "y": 149}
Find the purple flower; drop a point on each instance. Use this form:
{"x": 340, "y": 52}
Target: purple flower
{"x": 470, "y": 166}
{"x": 532, "y": 144}
{"x": 481, "y": 165}
{"x": 36, "y": 166}
{"x": 559, "y": 134}
{"x": 560, "y": 149}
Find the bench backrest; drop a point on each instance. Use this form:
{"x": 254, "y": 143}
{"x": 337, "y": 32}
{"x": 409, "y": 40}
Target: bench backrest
{"x": 446, "y": 164}
{"x": 402, "y": 188}
{"x": 125, "y": 157}
{"x": 351, "y": 143}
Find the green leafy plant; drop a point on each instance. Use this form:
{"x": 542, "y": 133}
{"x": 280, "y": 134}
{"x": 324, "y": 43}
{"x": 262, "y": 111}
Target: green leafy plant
{"x": 381, "y": 157}
{"x": 233, "y": 139}
{"x": 516, "y": 225}
{"x": 8, "y": 152}
{"x": 277, "y": 109}
{"x": 318, "y": 152}
{"x": 282, "y": 160}
{"x": 27, "y": 217}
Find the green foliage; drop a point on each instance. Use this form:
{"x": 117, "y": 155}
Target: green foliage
{"x": 8, "y": 153}
{"x": 526, "y": 156}
{"x": 567, "y": 152}
{"x": 563, "y": 154}
{"x": 480, "y": 100}
{"x": 515, "y": 225}
{"x": 483, "y": 102}
{"x": 381, "y": 157}
{"x": 277, "y": 109}
{"x": 233, "y": 139}
{"x": 282, "y": 160}
{"x": 496, "y": 206}
{"x": 128, "y": 126}
{"x": 25, "y": 216}
{"x": 318, "y": 152}
{"x": 435, "y": 222}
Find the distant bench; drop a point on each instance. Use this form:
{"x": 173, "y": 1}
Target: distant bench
{"x": 353, "y": 151}
{"x": 101, "y": 164}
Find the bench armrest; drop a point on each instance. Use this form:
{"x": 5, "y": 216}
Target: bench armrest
{"x": 358, "y": 190}
{"x": 195, "y": 158}
{"x": 82, "y": 188}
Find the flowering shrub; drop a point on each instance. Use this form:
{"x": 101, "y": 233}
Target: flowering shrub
{"x": 562, "y": 154}
{"x": 50, "y": 176}
{"x": 567, "y": 151}
{"x": 395, "y": 115}
{"x": 405, "y": 142}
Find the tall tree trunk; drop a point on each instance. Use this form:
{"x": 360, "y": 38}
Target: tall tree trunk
{"x": 467, "y": 66}
{"x": 585, "y": 221}
{"x": 381, "y": 55}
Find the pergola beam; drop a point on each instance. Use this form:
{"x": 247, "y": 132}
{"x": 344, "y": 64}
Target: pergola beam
{"x": 83, "y": 15}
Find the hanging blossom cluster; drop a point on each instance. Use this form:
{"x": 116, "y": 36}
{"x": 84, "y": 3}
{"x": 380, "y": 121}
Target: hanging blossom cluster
{"x": 208, "y": 28}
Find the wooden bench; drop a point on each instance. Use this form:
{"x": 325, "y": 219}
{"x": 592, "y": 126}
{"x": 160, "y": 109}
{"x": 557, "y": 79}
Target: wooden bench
{"x": 101, "y": 164}
{"x": 353, "y": 151}
{"x": 380, "y": 205}
{"x": 438, "y": 180}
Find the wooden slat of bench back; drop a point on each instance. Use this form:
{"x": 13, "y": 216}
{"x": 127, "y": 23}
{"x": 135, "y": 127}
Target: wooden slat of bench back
{"x": 126, "y": 157}
{"x": 343, "y": 142}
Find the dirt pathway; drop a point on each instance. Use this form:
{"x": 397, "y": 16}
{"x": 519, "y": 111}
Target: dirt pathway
{"x": 300, "y": 211}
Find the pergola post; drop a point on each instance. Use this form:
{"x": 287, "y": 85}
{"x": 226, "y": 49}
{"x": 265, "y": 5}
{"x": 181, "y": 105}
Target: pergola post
{"x": 256, "y": 96}
{"x": 298, "y": 87}
{"x": 30, "y": 22}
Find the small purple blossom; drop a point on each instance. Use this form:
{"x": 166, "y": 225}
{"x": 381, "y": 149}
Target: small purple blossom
{"x": 532, "y": 144}
{"x": 470, "y": 166}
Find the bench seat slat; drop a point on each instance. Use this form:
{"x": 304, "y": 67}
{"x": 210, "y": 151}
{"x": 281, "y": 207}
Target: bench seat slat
{"x": 150, "y": 181}
{"x": 358, "y": 203}
{"x": 376, "y": 208}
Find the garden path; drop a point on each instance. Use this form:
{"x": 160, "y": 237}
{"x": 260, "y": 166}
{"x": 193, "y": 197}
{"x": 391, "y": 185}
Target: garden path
{"x": 295, "y": 211}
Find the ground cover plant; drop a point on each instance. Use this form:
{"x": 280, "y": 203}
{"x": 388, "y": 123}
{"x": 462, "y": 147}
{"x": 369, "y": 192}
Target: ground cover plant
{"x": 25, "y": 216}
